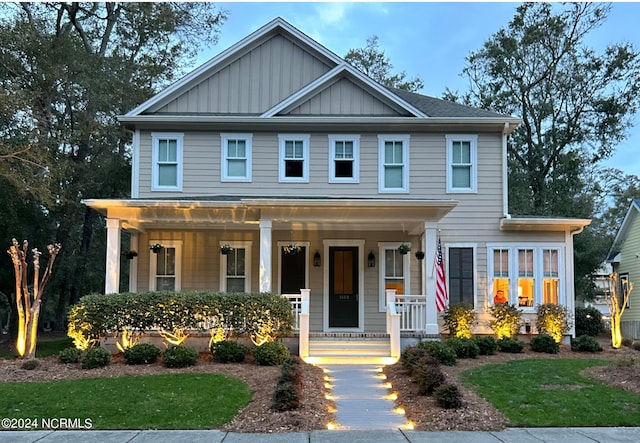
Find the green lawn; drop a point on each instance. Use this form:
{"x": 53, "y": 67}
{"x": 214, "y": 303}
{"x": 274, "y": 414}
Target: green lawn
{"x": 172, "y": 401}
{"x": 550, "y": 392}
{"x": 44, "y": 348}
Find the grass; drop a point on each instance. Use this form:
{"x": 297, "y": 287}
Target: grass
{"x": 172, "y": 401}
{"x": 551, "y": 392}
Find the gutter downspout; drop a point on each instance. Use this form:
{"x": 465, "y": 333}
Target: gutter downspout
{"x": 505, "y": 178}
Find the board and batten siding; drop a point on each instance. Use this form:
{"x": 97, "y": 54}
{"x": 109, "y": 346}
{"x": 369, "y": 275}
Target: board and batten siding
{"x": 254, "y": 82}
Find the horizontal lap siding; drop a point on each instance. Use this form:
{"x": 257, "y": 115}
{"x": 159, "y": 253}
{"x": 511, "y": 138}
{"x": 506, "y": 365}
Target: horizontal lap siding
{"x": 629, "y": 262}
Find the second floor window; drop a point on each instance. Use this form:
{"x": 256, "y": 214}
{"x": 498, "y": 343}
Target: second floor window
{"x": 294, "y": 158}
{"x": 344, "y": 158}
{"x": 236, "y": 157}
{"x": 393, "y": 173}
{"x": 167, "y": 162}
{"x": 462, "y": 163}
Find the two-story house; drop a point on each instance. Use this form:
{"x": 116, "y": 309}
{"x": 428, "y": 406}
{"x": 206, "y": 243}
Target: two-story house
{"x": 277, "y": 145}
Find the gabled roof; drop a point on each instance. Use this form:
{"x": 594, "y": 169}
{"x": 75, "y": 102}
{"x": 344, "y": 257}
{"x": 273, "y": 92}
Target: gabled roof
{"x": 406, "y": 104}
{"x": 623, "y": 231}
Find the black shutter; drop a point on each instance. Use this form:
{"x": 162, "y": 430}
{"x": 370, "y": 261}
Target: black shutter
{"x": 460, "y": 276}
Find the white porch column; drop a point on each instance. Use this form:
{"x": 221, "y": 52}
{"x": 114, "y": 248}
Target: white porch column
{"x": 112, "y": 276}
{"x": 430, "y": 245}
{"x": 133, "y": 264}
{"x": 265, "y": 255}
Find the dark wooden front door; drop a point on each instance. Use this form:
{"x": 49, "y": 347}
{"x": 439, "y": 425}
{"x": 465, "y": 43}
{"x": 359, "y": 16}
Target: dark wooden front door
{"x": 343, "y": 287}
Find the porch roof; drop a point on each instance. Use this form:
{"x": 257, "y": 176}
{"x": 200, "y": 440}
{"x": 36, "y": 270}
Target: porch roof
{"x": 518, "y": 223}
{"x": 320, "y": 213}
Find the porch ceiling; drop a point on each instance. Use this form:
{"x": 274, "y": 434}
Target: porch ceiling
{"x": 294, "y": 213}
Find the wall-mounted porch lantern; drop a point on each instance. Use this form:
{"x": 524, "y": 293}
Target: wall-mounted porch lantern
{"x": 371, "y": 260}
{"x": 317, "y": 260}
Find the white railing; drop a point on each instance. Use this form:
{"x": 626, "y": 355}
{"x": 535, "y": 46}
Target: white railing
{"x": 303, "y": 333}
{"x": 393, "y": 324}
{"x": 413, "y": 312}
{"x": 296, "y": 308}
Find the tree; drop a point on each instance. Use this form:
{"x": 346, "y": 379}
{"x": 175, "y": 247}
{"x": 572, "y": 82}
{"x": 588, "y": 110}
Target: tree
{"x": 372, "y": 61}
{"x": 29, "y": 309}
{"x": 576, "y": 105}
{"x": 72, "y": 68}
{"x": 617, "y": 297}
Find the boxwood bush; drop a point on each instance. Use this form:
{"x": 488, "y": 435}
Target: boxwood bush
{"x": 141, "y": 354}
{"x": 272, "y": 353}
{"x": 585, "y": 343}
{"x": 439, "y": 350}
{"x": 95, "y": 358}
{"x": 487, "y": 345}
{"x": 463, "y": 347}
{"x": 544, "y": 343}
{"x": 178, "y": 356}
{"x": 228, "y": 351}
{"x": 510, "y": 345}
{"x": 70, "y": 355}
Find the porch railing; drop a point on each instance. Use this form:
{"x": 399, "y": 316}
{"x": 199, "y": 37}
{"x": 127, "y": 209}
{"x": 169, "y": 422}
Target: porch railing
{"x": 296, "y": 308}
{"x": 413, "y": 312}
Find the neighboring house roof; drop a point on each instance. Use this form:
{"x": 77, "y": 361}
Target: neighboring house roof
{"x": 623, "y": 231}
{"x": 402, "y": 104}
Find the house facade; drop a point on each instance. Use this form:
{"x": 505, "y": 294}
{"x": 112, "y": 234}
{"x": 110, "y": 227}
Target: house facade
{"x": 624, "y": 257}
{"x": 277, "y": 145}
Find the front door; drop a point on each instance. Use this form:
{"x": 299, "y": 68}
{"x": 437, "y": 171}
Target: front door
{"x": 343, "y": 287}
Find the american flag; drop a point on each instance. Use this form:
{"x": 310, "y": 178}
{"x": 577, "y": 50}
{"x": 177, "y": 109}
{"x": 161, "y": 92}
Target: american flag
{"x": 441, "y": 286}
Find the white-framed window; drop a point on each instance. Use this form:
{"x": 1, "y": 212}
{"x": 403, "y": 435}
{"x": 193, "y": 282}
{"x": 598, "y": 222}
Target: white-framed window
{"x": 236, "y": 157}
{"x": 462, "y": 163}
{"x": 165, "y": 266}
{"x": 235, "y": 267}
{"x": 167, "y": 161}
{"x": 394, "y": 271}
{"x": 294, "y": 157}
{"x": 344, "y": 158}
{"x": 393, "y": 155}
{"x": 529, "y": 275}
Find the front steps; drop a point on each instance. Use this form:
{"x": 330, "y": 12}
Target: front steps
{"x": 350, "y": 349}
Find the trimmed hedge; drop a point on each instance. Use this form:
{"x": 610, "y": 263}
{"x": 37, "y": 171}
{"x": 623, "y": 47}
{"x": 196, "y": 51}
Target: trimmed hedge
{"x": 253, "y": 314}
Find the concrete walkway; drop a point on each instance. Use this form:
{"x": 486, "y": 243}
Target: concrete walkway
{"x": 362, "y": 398}
{"x": 511, "y": 435}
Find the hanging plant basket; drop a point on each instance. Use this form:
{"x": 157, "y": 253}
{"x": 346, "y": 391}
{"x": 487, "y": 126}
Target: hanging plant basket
{"x": 404, "y": 249}
{"x": 129, "y": 253}
{"x": 225, "y": 249}
{"x": 420, "y": 255}
{"x": 291, "y": 249}
{"x": 156, "y": 248}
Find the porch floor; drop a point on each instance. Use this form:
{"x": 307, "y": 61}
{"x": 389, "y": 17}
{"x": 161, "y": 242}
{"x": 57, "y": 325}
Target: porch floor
{"x": 362, "y": 398}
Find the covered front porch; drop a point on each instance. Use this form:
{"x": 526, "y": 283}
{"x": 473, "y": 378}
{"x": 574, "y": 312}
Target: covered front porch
{"x": 346, "y": 254}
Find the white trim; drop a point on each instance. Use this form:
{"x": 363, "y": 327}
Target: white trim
{"x": 179, "y": 137}
{"x": 282, "y": 139}
{"x": 382, "y": 139}
{"x": 406, "y": 270}
{"x": 473, "y": 246}
{"x": 473, "y": 141}
{"x": 280, "y": 245}
{"x": 355, "y": 139}
{"x": 224, "y": 171}
{"x": 135, "y": 164}
{"x": 246, "y": 245}
{"x": 153, "y": 265}
{"x": 361, "y": 292}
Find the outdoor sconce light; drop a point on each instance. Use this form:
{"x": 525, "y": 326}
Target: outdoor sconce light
{"x": 371, "y": 260}
{"x": 316, "y": 259}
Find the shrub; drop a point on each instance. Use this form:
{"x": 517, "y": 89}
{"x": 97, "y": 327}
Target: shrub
{"x": 626, "y": 341}
{"x": 553, "y": 320}
{"x": 585, "y": 343}
{"x": 486, "y": 345}
{"x": 636, "y": 345}
{"x": 178, "y": 356}
{"x": 506, "y": 320}
{"x": 448, "y": 396}
{"x": 30, "y": 364}
{"x": 463, "y": 347}
{"x": 588, "y": 321}
{"x": 272, "y": 353}
{"x": 288, "y": 392}
{"x": 95, "y": 358}
{"x": 70, "y": 355}
{"x": 510, "y": 345}
{"x": 428, "y": 375}
{"x": 458, "y": 320}
{"x": 227, "y": 351}
{"x": 443, "y": 353}
{"x": 624, "y": 362}
{"x": 141, "y": 354}
{"x": 544, "y": 343}
{"x": 410, "y": 357}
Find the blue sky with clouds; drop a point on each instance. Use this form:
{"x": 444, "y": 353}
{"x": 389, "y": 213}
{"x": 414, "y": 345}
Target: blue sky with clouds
{"x": 430, "y": 40}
